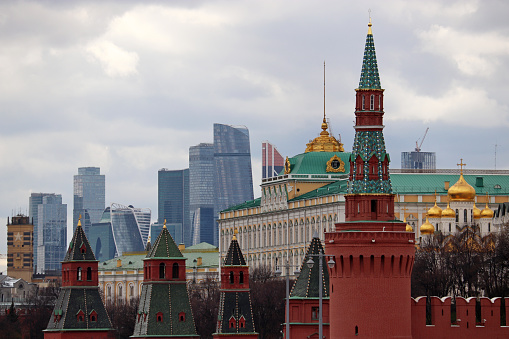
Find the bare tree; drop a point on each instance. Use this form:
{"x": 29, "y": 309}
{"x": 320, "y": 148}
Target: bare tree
{"x": 204, "y": 297}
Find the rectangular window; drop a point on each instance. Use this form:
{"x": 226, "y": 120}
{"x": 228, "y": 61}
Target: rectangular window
{"x": 315, "y": 313}
{"x": 372, "y": 102}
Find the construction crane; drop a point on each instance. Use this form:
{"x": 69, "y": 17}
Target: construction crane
{"x": 417, "y": 145}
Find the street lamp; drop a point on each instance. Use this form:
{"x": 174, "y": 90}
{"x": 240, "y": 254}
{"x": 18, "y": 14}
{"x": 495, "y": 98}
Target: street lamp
{"x": 194, "y": 270}
{"x": 310, "y": 264}
{"x": 287, "y": 312}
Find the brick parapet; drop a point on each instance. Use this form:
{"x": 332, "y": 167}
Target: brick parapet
{"x": 465, "y": 326}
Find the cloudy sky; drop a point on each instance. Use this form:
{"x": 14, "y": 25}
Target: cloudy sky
{"x": 129, "y": 85}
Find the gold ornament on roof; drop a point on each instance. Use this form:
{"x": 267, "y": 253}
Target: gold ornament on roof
{"x": 288, "y": 167}
{"x": 235, "y": 234}
{"x": 325, "y": 142}
{"x": 335, "y": 165}
{"x": 461, "y": 190}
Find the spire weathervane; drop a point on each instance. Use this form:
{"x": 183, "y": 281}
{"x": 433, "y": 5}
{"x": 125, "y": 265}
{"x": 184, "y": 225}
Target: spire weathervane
{"x": 324, "y": 91}
{"x": 369, "y": 25}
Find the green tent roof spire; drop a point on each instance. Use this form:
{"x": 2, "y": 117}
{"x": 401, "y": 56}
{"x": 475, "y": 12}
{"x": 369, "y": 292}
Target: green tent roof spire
{"x": 369, "y": 74}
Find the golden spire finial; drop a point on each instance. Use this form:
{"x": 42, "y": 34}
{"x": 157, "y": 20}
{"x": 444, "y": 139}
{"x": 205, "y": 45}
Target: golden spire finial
{"x": 324, "y": 91}
{"x": 164, "y": 225}
{"x": 370, "y": 24}
{"x": 487, "y": 199}
{"x": 148, "y": 240}
{"x": 404, "y": 211}
{"x": 235, "y": 231}
{"x": 461, "y": 164}
{"x": 79, "y": 221}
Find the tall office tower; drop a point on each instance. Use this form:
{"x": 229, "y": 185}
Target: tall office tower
{"x": 272, "y": 161}
{"x": 173, "y": 203}
{"x": 418, "y": 160}
{"x": 33, "y": 210}
{"x": 20, "y": 248}
{"x": 232, "y": 158}
{"x": 201, "y": 193}
{"x": 89, "y": 196}
{"x": 127, "y": 224}
{"x": 51, "y": 234}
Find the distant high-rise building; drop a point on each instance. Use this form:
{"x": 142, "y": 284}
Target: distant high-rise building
{"x": 100, "y": 237}
{"x": 20, "y": 248}
{"x": 272, "y": 161}
{"x": 127, "y": 224}
{"x": 173, "y": 203}
{"x": 418, "y": 160}
{"x": 89, "y": 196}
{"x": 51, "y": 233}
{"x": 33, "y": 210}
{"x": 232, "y": 157}
{"x": 201, "y": 193}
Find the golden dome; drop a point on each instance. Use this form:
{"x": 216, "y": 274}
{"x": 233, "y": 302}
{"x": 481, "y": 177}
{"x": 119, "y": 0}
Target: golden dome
{"x": 435, "y": 211}
{"x": 487, "y": 212}
{"x": 408, "y": 227}
{"x": 461, "y": 190}
{"x": 448, "y": 212}
{"x": 477, "y": 212}
{"x": 325, "y": 142}
{"x": 427, "y": 228}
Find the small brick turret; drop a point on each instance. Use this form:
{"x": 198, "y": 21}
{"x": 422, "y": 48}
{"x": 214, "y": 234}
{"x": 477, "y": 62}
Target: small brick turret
{"x": 235, "y": 318}
{"x": 79, "y": 310}
{"x": 164, "y": 310}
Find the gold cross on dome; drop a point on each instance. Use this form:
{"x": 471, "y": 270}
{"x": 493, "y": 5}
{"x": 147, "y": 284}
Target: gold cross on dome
{"x": 461, "y": 164}
{"x": 404, "y": 209}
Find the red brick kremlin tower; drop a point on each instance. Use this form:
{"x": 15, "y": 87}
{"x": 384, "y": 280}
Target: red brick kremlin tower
{"x": 79, "y": 310}
{"x": 235, "y": 318}
{"x": 370, "y": 283}
{"x": 164, "y": 310}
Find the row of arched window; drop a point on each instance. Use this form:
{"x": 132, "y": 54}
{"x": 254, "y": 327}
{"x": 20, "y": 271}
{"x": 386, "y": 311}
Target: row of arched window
{"x": 80, "y": 274}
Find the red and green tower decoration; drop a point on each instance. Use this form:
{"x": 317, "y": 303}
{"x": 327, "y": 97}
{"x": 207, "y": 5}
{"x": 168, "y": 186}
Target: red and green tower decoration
{"x": 235, "y": 318}
{"x": 164, "y": 310}
{"x": 373, "y": 253}
{"x": 79, "y": 310}
{"x": 369, "y": 188}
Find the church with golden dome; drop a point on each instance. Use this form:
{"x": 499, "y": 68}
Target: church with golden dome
{"x": 461, "y": 211}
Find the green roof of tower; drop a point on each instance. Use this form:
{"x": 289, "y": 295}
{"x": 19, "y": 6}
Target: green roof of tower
{"x": 164, "y": 246}
{"x": 306, "y": 285}
{"x": 79, "y": 248}
{"x": 369, "y": 74}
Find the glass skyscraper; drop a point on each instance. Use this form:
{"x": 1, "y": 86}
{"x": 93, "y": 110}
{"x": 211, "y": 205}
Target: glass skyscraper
{"x": 173, "y": 203}
{"x": 89, "y": 197}
{"x": 127, "y": 224}
{"x": 201, "y": 192}
{"x": 233, "y": 174}
{"x": 100, "y": 237}
{"x": 50, "y": 243}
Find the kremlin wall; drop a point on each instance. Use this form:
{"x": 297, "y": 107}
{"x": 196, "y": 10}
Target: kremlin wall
{"x": 365, "y": 268}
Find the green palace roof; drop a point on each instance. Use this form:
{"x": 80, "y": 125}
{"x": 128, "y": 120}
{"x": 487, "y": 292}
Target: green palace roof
{"x": 494, "y": 184}
{"x": 402, "y": 183}
{"x": 316, "y": 163}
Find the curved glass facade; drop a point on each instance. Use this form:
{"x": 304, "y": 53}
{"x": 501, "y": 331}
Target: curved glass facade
{"x": 126, "y": 228}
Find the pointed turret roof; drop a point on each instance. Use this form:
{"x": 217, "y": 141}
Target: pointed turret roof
{"x": 234, "y": 256}
{"x": 164, "y": 246}
{"x": 79, "y": 248}
{"x": 369, "y": 74}
{"x": 306, "y": 285}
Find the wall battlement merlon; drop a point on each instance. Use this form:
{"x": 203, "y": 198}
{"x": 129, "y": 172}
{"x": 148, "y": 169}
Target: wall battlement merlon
{"x": 471, "y": 318}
